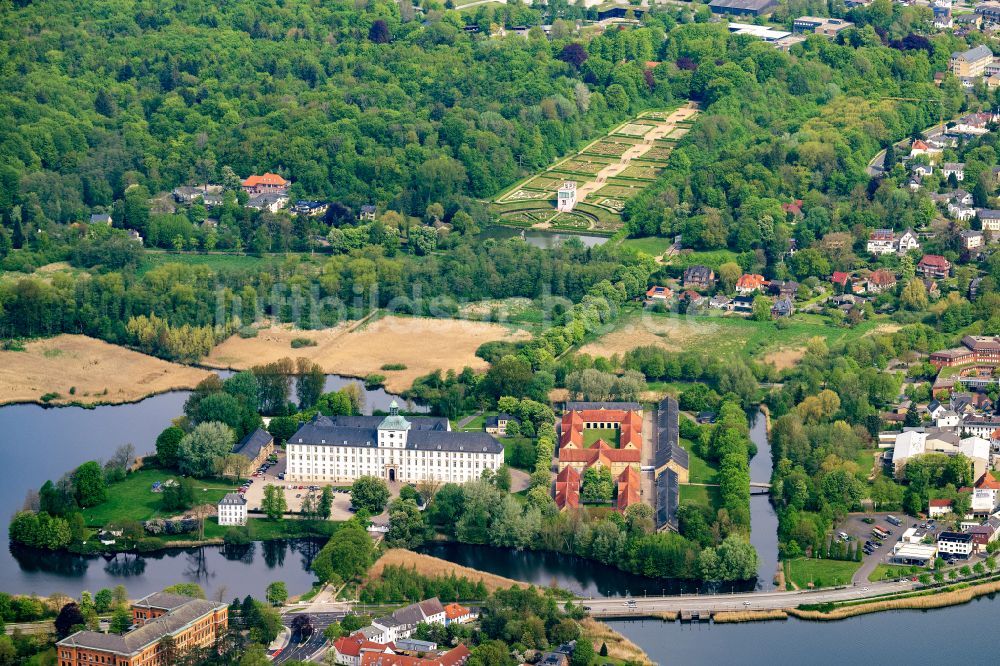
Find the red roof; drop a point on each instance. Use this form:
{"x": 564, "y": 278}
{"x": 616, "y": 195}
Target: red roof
{"x": 750, "y": 281}
{"x": 630, "y": 435}
{"x": 882, "y": 277}
{"x": 657, "y": 290}
{"x": 840, "y": 277}
{"x": 988, "y": 481}
{"x": 940, "y": 502}
{"x": 996, "y": 434}
{"x": 267, "y": 179}
{"x": 601, "y": 452}
{"x": 794, "y": 207}
{"x": 628, "y": 488}
{"x": 935, "y": 260}
{"x": 454, "y": 657}
{"x": 567, "y": 489}
{"x": 455, "y": 611}
{"x": 919, "y": 145}
{"x": 354, "y": 644}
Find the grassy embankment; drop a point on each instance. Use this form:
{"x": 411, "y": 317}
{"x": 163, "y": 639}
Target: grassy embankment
{"x": 426, "y": 565}
{"x": 802, "y": 572}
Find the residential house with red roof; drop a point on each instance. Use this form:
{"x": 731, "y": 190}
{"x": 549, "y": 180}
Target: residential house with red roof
{"x": 749, "y": 283}
{"x": 454, "y": 657}
{"x": 269, "y": 183}
{"x": 793, "y": 208}
{"x": 458, "y": 614}
{"x": 881, "y": 280}
{"x": 934, "y": 265}
{"x": 938, "y": 507}
{"x": 658, "y": 294}
{"x": 348, "y": 650}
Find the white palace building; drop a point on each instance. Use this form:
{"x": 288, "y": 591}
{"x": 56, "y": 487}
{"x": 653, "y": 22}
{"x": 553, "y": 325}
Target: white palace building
{"x": 343, "y": 448}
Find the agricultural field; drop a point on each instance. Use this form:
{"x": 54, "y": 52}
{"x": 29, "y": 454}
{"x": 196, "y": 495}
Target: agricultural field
{"x": 604, "y": 173}
{"x": 78, "y": 369}
{"x": 420, "y": 344}
{"x": 721, "y": 336}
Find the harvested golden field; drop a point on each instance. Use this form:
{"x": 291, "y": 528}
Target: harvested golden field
{"x": 619, "y": 647}
{"x": 426, "y": 565}
{"x": 96, "y": 372}
{"x": 673, "y": 334}
{"x": 782, "y": 359}
{"x": 421, "y": 344}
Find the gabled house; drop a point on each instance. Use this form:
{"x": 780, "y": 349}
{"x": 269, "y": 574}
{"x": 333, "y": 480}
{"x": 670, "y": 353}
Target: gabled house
{"x": 750, "y": 283}
{"x": 367, "y": 214}
{"x": 699, "y": 277}
{"x": 972, "y": 241}
{"x": 922, "y": 170}
{"x": 100, "y": 218}
{"x": 934, "y": 265}
{"x": 840, "y": 279}
{"x": 956, "y": 169}
{"x": 960, "y": 211}
{"x": 881, "y": 280}
{"x": 786, "y": 288}
{"x": 794, "y": 208}
{"x": 907, "y": 241}
{"x": 920, "y": 147}
{"x": 269, "y": 183}
{"x": 310, "y": 208}
{"x": 881, "y": 241}
{"x": 658, "y": 294}
{"x": 782, "y": 307}
{"x": 990, "y": 220}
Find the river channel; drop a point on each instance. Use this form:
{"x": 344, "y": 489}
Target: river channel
{"x": 763, "y": 519}
{"x": 43, "y": 443}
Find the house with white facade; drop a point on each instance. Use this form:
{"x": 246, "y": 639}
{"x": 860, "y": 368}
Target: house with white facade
{"x": 956, "y": 544}
{"x": 956, "y": 169}
{"x": 232, "y": 510}
{"x": 403, "y": 622}
{"x": 566, "y": 197}
{"x": 394, "y": 448}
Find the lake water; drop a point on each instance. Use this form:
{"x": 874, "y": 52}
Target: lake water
{"x": 543, "y": 239}
{"x": 43, "y": 443}
{"x": 946, "y": 635}
{"x": 763, "y": 519}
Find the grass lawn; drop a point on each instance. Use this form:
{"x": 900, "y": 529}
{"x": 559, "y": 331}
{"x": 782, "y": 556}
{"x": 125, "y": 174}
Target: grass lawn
{"x": 718, "y": 336}
{"x": 653, "y": 245}
{"x": 704, "y": 495}
{"x": 712, "y": 259}
{"x": 475, "y": 424}
{"x": 699, "y": 469}
{"x": 866, "y": 460}
{"x": 132, "y": 498}
{"x": 885, "y": 571}
{"x": 821, "y": 573}
{"x": 609, "y": 435}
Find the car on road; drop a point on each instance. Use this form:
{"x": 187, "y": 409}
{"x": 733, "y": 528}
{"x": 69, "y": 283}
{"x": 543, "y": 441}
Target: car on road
{"x": 746, "y": 603}
{"x": 864, "y": 589}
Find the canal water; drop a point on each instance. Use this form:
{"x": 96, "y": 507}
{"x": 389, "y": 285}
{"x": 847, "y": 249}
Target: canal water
{"x": 543, "y": 239}
{"x": 942, "y": 636}
{"x": 763, "y": 519}
{"x": 43, "y": 443}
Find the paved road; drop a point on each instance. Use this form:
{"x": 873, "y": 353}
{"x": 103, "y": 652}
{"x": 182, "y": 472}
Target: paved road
{"x": 312, "y": 649}
{"x": 729, "y": 602}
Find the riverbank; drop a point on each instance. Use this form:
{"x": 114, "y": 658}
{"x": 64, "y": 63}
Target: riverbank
{"x": 78, "y": 370}
{"x": 433, "y": 567}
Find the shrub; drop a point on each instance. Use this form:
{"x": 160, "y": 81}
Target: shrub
{"x": 48, "y": 397}
{"x": 374, "y": 381}
{"x": 393, "y": 366}
{"x": 298, "y": 343}
{"x": 247, "y": 332}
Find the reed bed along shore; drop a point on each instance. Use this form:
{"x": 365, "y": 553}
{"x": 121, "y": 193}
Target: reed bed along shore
{"x": 619, "y": 647}
{"x": 923, "y": 602}
{"x": 726, "y": 617}
{"x": 426, "y": 565}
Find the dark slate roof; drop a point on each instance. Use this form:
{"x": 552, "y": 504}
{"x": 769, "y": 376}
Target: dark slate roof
{"x": 233, "y": 499}
{"x": 494, "y": 421}
{"x": 166, "y": 601}
{"x": 960, "y": 537}
{"x": 668, "y": 498}
{"x": 251, "y": 445}
{"x": 372, "y": 422}
{"x": 580, "y": 406}
{"x": 323, "y": 431}
{"x": 667, "y": 435}
{"x": 139, "y": 639}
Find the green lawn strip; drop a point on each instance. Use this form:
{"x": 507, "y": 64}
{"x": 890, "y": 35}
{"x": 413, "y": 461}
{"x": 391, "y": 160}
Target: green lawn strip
{"x": 652, "y": 245}
{"x": 866, "y": 460}
{"x": 821, "y": 573}
{"x": 704, "y": 495}
{"x": 713, "y": 258}
{"x": 699, "y": 469}
{"x": 609, "y": 435}
{"x": 133, "y": 498}
{"x": 890, "y": 571}
{"x": 477, "y": 423}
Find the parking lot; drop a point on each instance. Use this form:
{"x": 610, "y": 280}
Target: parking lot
{"x": 296, "y": 492}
